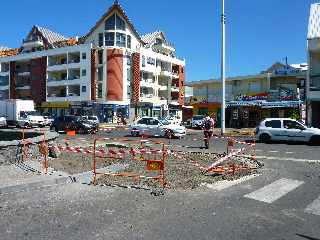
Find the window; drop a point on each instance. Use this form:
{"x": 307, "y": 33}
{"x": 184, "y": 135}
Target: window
{"x": 100, "y": 90}
{"x": 128, "y": 41}
{"x": 100, "y": 39}
{"x": 84, "y": 56}
{"x": 83, "y": 89}
{"x": 151, "y": 61}
{"x": 153, "y": 121}
{"x": 100, "y": 57}
{"x": 121, "y": 40}
{"x": 110, "y": 23}
{"x": 109, "y": 39}
{"x": 120, "y": 24}
{"x": 83, "y": 72}
{"x": 100, "y": 74}
{"x": 273, "y": 124}
{"x": 143, "y": 121}
{"x": 143, "y": 61}
{"x": 292, "y": 125}
{"x": 129, "y": 61}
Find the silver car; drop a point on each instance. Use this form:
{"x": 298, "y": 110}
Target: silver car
{"x": 3, "y": 121}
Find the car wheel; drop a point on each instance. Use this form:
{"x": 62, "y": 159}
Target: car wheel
{"x": 169, "y": 134}
{"x": 264, "y": 137}
{"x": 315, "y": 140}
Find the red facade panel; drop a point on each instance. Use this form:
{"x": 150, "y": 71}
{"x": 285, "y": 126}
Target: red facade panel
{"x": 114, "y": 75}
{"x": 13, "y": 81}
{"x": 181, "y": 84}
{"x": 136, "y": 77}
{"x": 38, "y": 69}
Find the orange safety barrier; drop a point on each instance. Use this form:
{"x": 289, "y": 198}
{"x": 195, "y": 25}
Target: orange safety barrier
{"x": 148, "y": 156}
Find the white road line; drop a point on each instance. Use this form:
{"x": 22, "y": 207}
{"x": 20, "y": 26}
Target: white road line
{"x": 289, "y": 152}
{"x": 226, "y": 184}
{"x": 287, "y": 159}
{"x": 314, "y": 207}
{"x": 275, "y": 190}
{"x": 274, "y": 151}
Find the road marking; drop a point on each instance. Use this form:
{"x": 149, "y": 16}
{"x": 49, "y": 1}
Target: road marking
{"x": 218, "y": 186}
{"x": 274, "y": 151}
{"x": 289, "y": 152}
{"x": 286, "y": 159}
{"x": 275, "y": 190}
{"x": 314, "y": 207}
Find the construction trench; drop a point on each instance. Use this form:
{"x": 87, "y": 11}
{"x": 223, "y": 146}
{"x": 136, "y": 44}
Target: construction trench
{"x": 139, "y": 163}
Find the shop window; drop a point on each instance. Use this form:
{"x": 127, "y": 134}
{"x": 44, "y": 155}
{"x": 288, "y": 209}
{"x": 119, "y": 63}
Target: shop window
{"x": 109, "y": 39}
{"x": 273, "y": 124}
{"x": 110, "y": 23}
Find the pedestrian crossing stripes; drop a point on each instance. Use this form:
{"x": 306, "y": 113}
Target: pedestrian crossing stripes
{"x": 314, "y": 207}
{"x": 275, "y": 190}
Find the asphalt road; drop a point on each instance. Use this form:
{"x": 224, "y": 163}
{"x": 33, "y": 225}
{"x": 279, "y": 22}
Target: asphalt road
{"x": 282, "y": 202}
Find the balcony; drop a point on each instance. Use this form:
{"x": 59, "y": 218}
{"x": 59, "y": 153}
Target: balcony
{"x": 4, "y": 81}
{"x": 4, "y": 67}
{"x": 175, "y": 89}
{"x": 74, "y": 74}
{"x": 4, "y": 94}
{"x": 32, "y": 43}
{"x": 59, "y": 91}
{"x": 163, "y": 46}
{"x": 74, "y": 57}
{"x": 57, "y": 60}
{"x": 57, "y": 76}
{"x": 23, "y": 84}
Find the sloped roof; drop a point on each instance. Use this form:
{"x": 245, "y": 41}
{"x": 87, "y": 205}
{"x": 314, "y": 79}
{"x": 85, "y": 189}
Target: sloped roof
{"x": 51, "y": 36}
{"x": 116, "y": 6}
{"x": 65, "y": 43}
{"x": 9, "y": 52}
{"x": 2, "y": 48}
{"x": 151, "y": 37}
{"x": 314, "y": 21}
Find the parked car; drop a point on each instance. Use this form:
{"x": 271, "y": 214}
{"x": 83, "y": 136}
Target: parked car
{"x": 92, "y": 119}
{"x": 286, "y": 129}
{"x": 196, "y": 121}
{"x": 65, "y": 123}
{"x": 48, "y": 120}
{"x": 155, "y": 127}
{"x": 3, "y": 120}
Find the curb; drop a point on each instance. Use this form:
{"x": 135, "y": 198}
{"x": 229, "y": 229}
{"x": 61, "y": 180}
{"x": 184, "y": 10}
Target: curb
{"x": 35, "y": 185}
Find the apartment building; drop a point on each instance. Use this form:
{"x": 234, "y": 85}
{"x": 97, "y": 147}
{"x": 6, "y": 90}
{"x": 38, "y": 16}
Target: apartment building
{"x": 275, "y": 92}
{"x": 111, "y": 70}
{"x": 313, "y": 80}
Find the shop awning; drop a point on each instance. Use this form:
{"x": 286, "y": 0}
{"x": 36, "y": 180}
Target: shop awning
{"x": 265, "y": 104}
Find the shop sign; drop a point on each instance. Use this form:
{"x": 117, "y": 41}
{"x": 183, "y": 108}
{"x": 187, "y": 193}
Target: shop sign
{"x": 260, "y": 96}
{"x": 55, "y": 105}
{"x": 286, "y": 71}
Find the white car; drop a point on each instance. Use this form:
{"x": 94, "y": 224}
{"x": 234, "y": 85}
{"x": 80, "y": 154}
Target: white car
{"x": 91, "y": 119}
{"x": 172, "y": 120}
{"x": 197, "y": 121}
{"x": 48, "y": 120}
{"x": 151, "y": 126}
{"x": 3, "y": 121}
{"x": 286, "y": 129}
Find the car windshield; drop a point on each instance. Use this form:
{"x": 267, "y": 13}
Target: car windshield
{"x": 164, "y": 122}
{"x": 92, "y": 118}
{"x": 197, "y": 117}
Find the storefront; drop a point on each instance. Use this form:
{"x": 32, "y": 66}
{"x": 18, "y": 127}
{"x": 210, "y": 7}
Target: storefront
{"x": 108, "y": 112}
{"x": 240, "y": 114}
{"x": 54, "y": 108}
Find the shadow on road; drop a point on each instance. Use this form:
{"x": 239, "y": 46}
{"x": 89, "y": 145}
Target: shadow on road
{"x": 307, "y": 237}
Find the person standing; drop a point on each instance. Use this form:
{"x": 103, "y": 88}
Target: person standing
{"x": 207, "y": 126}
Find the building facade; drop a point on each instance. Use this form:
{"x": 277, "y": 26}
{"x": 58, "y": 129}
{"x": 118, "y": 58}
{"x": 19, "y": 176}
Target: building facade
{"x": 276, "y": 92}
{"x": 111, "y": 70}
{"x": 313, "y": 80}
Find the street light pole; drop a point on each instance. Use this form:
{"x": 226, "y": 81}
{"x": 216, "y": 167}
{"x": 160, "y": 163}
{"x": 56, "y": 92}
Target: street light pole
{"x": 223, "y": 70}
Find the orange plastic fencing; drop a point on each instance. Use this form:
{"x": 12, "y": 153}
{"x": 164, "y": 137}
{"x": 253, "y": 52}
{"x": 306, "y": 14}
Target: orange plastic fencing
{"x": 154, "y": 159}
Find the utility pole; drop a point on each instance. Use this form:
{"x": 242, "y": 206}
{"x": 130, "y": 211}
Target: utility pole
{"x": 223, "y": 70}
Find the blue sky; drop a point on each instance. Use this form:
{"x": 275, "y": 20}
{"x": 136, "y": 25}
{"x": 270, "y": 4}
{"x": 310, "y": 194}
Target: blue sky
{"x": 259, "y": 32}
